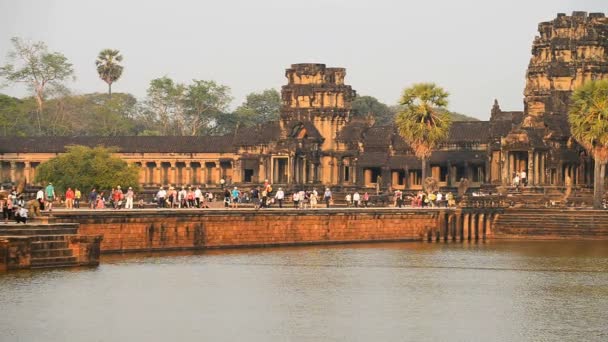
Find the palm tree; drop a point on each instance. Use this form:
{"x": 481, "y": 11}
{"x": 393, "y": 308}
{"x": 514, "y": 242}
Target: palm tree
{"x": 108, "y": 68}
{"x": 424, "y": 121}
{"x": 588, "y": 117}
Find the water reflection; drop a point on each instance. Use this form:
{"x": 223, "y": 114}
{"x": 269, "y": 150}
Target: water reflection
{"x": 499, "y": 291}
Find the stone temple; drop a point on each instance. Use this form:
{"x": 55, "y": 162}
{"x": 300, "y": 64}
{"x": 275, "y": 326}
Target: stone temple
{"x": 319, "y": 142}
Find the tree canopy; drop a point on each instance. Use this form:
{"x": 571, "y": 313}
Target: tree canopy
{"x": 369, "y": 105}
{"x": 424, "y": 123}
{"x": 588, "y": 118}
{"x": 86, "y": 168}
{"x": 33, "y": 65}
{"x": 259, "y": 108}
{"x": 108, "y": 66}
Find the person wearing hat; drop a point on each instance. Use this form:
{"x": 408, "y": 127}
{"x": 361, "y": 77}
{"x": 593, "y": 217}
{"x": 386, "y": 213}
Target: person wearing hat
{"x": 129, "y": 196}
{"x": 279, "y": 197}
{"x": 327, "y": 197}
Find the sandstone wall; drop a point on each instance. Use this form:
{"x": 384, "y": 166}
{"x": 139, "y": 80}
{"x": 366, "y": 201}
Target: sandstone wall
{"x": 170, "y": 229}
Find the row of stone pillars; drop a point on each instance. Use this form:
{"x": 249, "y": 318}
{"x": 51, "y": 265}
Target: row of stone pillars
{"x": 462, "y": 226}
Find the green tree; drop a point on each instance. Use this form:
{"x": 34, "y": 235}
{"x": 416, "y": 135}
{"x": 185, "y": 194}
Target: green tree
{"x": 164, "y": 107}
{"x": 423, "y": 123}
{"x": 34, "y": 65}
{"x": 588, "y": 117}
{"x": 204, "y": 102}
{"x": 368, "y": 105}
{"x": 86, "y": 168}
{"x": 259, "y": 108}
{"x": 108, "y": 66}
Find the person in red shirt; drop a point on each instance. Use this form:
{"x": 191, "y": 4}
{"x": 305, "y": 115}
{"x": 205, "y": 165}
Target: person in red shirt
{"x": 117, "y": 196}
{"x": 69, "y": 198}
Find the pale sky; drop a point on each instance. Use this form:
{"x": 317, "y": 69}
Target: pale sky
{"x": 477, "y": 50}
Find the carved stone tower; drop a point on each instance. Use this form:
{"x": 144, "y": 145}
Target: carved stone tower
{"x": 569, "y": 51}
{"x": 317, "y": 94}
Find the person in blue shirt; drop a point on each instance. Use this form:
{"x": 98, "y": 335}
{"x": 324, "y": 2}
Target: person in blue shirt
{"x": 235, "y": 197}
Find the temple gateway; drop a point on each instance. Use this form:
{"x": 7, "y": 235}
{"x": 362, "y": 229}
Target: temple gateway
{"x": 318, "y": 140}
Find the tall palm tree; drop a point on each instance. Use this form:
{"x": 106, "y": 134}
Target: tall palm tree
{"x": 108, "y": 68}
{"x": 588, "y": 117}
{"x": 424, "y": 121}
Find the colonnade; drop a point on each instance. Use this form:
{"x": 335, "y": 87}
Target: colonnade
{"x": 17, "y": 171}
{"x": 470, "y": 225}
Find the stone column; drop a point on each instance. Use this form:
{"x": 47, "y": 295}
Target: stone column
{"x": 142, "y": 173}
{"x": 543, "y": 158}
{"x": 481, "y": 226}
{"x": 204, "y": 173}
{"x": 459, "y": 221}
{"x": 187, "y": 174}
{"x": 262, "y": 174}
{"x": 13, "y": 172}
{"x": 466, "y": 227}
{"x": 217, "y": 173}
{"x": 27, "y": 172}
{"x": 237, "y": 171}
{"x": 157, "y": 173}
{"x": 172, "y": 172}
{"x": 504, "y": 159}
{"x": 531, "y": 168}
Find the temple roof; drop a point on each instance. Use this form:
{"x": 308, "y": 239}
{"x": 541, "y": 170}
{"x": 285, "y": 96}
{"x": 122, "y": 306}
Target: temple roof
{"x": 126, "y": 144}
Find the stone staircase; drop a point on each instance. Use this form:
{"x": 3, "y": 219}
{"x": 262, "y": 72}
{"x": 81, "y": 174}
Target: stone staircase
{"x": 552, "y": 224}
{"x": 49, "y": 245}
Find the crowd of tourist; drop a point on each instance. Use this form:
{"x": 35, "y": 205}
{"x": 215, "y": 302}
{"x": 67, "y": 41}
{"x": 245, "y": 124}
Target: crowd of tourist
{"x": 12, "y": 206}
{"x": 264, "y": 196}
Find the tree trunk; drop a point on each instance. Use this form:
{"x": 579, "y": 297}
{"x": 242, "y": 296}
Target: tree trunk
{"x": 598, "y": 183}
{"x": 40, "y": 108}
{"x": 110, "y": 89}
{"x": 424, "y": 170}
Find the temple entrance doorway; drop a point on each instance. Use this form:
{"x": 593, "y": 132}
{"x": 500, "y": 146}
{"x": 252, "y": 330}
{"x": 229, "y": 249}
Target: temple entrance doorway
{"x": 280, "y": 170}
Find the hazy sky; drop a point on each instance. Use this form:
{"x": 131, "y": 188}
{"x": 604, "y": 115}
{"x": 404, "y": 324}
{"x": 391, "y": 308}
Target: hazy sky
{"x": 477, "y": 50}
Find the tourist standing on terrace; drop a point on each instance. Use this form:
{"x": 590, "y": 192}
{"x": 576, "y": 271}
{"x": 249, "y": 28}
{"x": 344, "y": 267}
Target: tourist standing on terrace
{"x": 69, "y": 198}
{"x": 93, "y": 199}
{"x": 255, "y": 197}
{"x": 365, "y": 199}
{"x": 226, "y": 198}
{"x": 118, "y": 196}
{"x": 327, "y": 197}
{"x": 235, "y": 197}
{"x": 279, "y": 197}
{"x": 39, "y": 198}
{"x": 77, "y": 197}
{"x": 50, "y": 196}
{"x": 313, "y": 199}
{"x": 295, "y": 198}
{"x": 198, "y": 197}
{"x": 523, "y": 179}
{"x": 160, "y": 197}
{"x": 129, "y": 198}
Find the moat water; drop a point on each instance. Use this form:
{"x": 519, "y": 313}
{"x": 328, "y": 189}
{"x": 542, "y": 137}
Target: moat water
{"x": 496, "y": 291}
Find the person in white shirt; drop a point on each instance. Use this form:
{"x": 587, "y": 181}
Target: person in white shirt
{"x": 198, "y": 196}
{"x": 356, "y": 199}
{"x": 21, "y": 215}
{"x": 522, "y": 178}
{"x": 280, "y": 196}
{"x": 40, "y": 198}
{"x": 129, "y": 198}
{"x": 160, "y": 197}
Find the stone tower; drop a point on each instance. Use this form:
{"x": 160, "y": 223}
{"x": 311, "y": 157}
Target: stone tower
{"x": 317, "y": 94}
{"x": 568, "y": 51}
